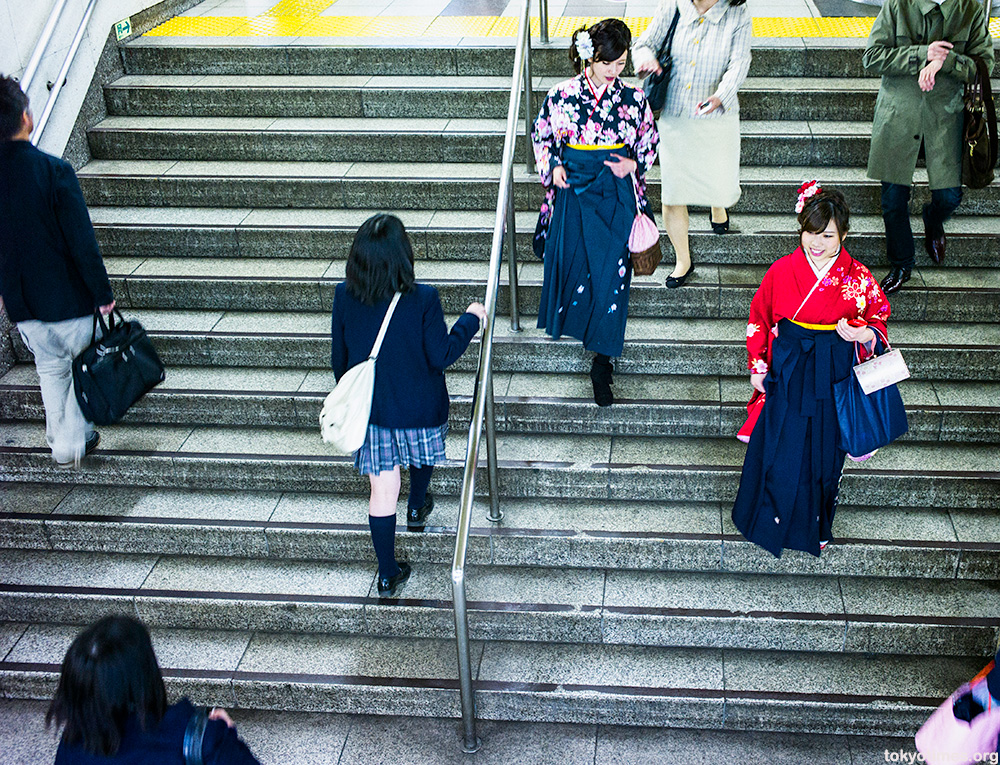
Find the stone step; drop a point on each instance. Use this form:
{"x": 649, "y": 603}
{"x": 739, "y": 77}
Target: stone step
{"x": 452, "y": 235}
{"x": 431, "y": 97}
{"x": 671, "y": 609}
{"x": 452, "y": 186}
{"x": 635, "y": 685}
{"x": 645, "y": 405}
{"x": 933, "y": 351}
{"x": 320, "y": 738}
{"x": 906, "y": 474}
{"x": 890, "y": 541}
{"x": 799, "y": 57}
{"x": 307, "y": 285}
{"x": 764, "y": 143}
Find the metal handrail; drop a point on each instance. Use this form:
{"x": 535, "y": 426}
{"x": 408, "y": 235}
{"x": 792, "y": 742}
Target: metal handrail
{"x": 50, "y": 102}
{"x": 42, "y": 44}
{"x": 482, "y": 408}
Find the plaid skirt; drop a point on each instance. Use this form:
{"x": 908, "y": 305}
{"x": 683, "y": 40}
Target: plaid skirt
{"x": 384, "y": 448}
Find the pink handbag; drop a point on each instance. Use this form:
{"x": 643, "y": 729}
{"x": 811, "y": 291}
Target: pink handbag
{"x": 946, "y": 739}
{"x": 643, "y": 241}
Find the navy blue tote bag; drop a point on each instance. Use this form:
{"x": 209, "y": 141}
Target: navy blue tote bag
{"x": 867, "y": 421}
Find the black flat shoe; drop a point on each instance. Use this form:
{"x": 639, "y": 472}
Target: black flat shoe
{"x": 600, "y": 377}
{"x": 895, "y": 280}
{"x": 416, "y": 518}
{"x": 719, "y": 228}
{"x": 387, "y": 588}
{"x": 673, "y": 282}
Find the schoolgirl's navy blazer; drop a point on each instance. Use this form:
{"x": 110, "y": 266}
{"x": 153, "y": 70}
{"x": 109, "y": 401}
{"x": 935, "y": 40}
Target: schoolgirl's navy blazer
{"x": 410, "y": 390}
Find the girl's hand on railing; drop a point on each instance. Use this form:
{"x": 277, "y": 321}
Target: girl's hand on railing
{"x": 559, "y": 177}
{"x": 478, "y": 310}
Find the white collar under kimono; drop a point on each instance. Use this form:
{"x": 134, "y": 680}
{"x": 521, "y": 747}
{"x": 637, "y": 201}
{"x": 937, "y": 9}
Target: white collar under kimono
{"x": 821, "y": 272}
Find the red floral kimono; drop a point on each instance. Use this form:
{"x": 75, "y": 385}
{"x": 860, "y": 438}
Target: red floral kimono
{"x": 787, "y": 493}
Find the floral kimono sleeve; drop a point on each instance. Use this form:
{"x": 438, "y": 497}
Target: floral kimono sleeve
{"x": 876, "y": 313}
{"x": 647, "y": 138}
{"x": 760, "y": 328}
{"x": 543, "y": 139}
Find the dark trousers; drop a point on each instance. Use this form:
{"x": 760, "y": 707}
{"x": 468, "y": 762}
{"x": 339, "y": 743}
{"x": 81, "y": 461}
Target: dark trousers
{"x": 896, "y": 214}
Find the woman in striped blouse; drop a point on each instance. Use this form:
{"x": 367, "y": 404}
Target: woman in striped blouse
{"x": 699, "y": 126}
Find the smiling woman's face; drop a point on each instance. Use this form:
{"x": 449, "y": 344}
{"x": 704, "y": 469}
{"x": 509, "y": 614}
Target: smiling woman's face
{"x": 825, "y": 244}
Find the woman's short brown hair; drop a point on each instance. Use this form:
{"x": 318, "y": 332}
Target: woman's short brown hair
{"x": 821, "y": 209}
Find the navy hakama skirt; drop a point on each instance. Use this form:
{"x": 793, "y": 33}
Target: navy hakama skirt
{"x": 791, "y": 473}
{"x": 587, "y": 266}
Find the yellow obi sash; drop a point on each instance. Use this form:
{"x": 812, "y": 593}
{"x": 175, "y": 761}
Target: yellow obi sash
{"x": 595, "y": 148}
{"x": 819, "y": 327}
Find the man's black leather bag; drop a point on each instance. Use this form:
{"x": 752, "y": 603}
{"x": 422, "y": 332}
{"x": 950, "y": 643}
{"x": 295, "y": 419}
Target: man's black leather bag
{"x": 115, "y": 371}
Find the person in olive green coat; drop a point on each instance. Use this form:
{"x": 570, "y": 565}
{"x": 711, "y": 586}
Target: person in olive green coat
{"x": 923, "y": 49}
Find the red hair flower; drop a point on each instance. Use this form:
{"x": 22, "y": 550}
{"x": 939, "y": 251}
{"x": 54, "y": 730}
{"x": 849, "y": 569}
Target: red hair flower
{"x": 807, "y": 190}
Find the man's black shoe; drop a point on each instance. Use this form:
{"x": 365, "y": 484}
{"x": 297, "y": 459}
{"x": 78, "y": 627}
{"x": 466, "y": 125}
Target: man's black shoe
{"x": 895, "y": 279}
{"x": 387, "y": 588}
{"x": 416, "y": 518}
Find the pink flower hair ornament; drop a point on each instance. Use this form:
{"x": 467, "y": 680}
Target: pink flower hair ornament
{"x": 807, "y": 190}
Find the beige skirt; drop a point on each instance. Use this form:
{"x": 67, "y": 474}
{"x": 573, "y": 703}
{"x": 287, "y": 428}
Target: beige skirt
{"x": 700, "y": 160}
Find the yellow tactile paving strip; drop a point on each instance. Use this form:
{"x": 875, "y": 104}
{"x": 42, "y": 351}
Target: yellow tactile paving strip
{"x": 302, "y": 18}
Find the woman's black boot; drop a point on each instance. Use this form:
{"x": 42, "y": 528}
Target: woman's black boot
{"x": 600, "y": 376}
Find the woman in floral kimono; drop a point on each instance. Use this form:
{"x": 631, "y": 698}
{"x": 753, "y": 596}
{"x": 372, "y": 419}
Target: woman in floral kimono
{"x": 594, "y": 140}
{"x": 812, "y": 310}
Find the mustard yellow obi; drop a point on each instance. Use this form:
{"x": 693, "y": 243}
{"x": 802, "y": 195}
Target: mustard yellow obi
{"x": 595, "y": 148}
{"x": 819, "y": 327}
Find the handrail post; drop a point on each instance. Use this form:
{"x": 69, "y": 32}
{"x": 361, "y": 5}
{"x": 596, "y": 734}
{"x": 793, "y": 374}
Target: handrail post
{"x": 41, "y": 45}
{"x": 529, "y": 105}
{"x": 543, "y": 18}
{"x": 470, "y": 742}
{"x": 515, "y": 312}
{"x": 495, "y": 515}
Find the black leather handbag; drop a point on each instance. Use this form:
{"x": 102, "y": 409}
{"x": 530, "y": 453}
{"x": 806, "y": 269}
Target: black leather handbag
{"x": 655, "y": 86}
{"x": 115, "y": 371}
{"x": 979, "y": 130}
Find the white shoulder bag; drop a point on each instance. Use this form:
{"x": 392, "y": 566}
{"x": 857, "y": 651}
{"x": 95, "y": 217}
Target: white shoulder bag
{"x": 343, "y": 422}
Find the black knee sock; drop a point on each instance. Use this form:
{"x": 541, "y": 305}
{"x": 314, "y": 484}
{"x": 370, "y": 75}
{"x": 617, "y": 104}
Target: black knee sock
{"x": 383, "y": 530}
{"x": 420, "y": 479}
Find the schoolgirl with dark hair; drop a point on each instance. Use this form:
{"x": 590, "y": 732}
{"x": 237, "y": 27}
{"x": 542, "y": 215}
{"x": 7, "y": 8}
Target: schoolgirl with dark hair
{"x": 594, "y": 141}
{"x": 112, "y": 705}
{"x": 409, "y": 416}
{"x": 813, "y": 309}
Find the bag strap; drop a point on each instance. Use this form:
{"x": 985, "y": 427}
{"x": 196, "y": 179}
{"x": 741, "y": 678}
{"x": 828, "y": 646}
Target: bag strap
{"x": 385, "y": 326}
{"x": 194, "y": 736}
{"x": 635, "y": 192}
{"x": 986, "y": 92}
{"x": 668, "y": 39}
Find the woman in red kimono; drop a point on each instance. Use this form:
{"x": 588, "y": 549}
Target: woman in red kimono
{"x": 811, "y": 311}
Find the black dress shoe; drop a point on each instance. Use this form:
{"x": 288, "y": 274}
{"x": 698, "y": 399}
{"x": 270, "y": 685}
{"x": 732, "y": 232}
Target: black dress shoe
{"x": 895, "y": 279}
{"x": 719, "y": 228}
{"x": 673, "y": 282}
{"x": 416, "y": 517}
{"x": 600, "y": 377}
{"x": 387, "y": 588}
{"x": 935, "y": 247}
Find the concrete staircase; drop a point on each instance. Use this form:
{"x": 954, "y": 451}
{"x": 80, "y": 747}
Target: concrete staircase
{"x": 226, "y": 186}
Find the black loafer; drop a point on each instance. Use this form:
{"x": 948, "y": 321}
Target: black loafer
{"x": 673, "y": 282}
{"x": 387, "y": 588}
{"x": 416, "y": 517}
{"x": 895, "y": 280}
{"x": 719, "y": 228}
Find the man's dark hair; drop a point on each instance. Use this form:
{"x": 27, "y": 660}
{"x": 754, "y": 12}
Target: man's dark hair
{"x": 819, "y": 210}
{"x": 13, "y": 104}
{"x": 611, "y": 38}
{"x": 109, "y": 674}
{"x": 381, "y": 260}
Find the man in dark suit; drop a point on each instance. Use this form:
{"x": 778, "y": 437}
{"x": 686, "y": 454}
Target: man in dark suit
{"x": 52, "y": 277}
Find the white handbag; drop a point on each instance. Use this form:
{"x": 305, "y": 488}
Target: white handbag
{"x": 881, "y": 371}
{"x": 343, "y": 421}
